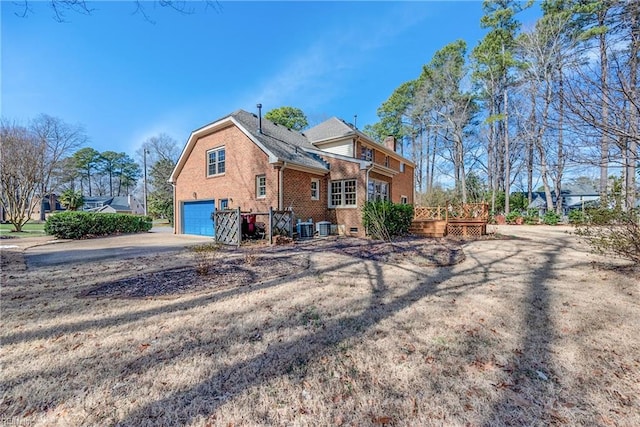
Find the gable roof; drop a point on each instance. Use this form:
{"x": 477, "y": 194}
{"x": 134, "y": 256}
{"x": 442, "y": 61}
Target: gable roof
{"x": 335, "y": 129}
{"x": 280, "y": 143}
{"x": 329, "y": 129}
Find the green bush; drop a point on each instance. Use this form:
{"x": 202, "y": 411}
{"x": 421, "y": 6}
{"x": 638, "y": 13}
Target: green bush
{"x": 532, "y": 217}
{"x": 512, "y": 217}
{"x": 386, "y": 220}
{"x": 576, "y": 217}
{"x": 551, "y": 218}
{"x": 80, "y": 225}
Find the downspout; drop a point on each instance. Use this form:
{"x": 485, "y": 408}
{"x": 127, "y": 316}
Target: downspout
{"x": 369, "y": 169}
{"x": 175, "y": 223}
{"x": 281, "y": 186}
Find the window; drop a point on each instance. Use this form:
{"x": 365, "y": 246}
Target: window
{"x": 404, "y": 200}
{"x": 261, "y": 186}
{"x": 215, "y": 161}
{"x": 224, "y": 204}
{"x": 342, "y": 193}
{"x": 401, "y": 167}
{"x": 366, "y": 153}
{"x": 315, "y": 189}
{"x": 378, "y": 191}
{"x": 386, "y": 161}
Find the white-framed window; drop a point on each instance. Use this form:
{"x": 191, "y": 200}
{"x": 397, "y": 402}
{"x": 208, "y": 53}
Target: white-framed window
{"x": 366, "y": 153}
{"x": 216, "y": 161}
{"x": 404, "y": 200}
{"x": 224, "y": 204}
{"x": 378, "y": 191}
{"x": 342, "y": 193}
{"x": 386, "y": 161}
{"x": 401, "y": 167}
{"x": 315, "y": 189}
{"x": 261, "y": 186}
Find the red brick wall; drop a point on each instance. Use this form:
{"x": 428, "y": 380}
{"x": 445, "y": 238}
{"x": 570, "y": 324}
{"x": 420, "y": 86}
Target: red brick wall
{"x": 297, "y": 195}
{"x": 347, "y": 218}
{"x": 244, "y": 160}
{"x": 402, "y": 185}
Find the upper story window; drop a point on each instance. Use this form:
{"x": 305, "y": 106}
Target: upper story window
{"x": 261, "y": 186}
{"x": 378, "y": 191}
{"x": 215, "y": 161}
{"x": 315, "y": 189}
{"x": 366, "y": 153}
{"x": 386, "y": 161}
{"x": 401, "y": 166}
{"x": 343, "y": 193}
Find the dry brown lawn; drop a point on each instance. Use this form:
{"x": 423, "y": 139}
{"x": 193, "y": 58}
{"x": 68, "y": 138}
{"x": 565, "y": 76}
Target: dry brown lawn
{"x": 528, "y": 329}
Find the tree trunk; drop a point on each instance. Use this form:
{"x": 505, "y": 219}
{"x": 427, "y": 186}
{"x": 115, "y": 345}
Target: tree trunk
{"x": 604, "y": 137}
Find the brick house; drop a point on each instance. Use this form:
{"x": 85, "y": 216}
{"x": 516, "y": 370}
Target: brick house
{"x": 324, "y": 174}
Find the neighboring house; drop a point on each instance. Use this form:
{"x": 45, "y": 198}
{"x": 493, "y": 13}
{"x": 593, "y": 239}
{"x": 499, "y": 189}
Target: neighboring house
{"x": 118, "y": 204}
{"x": 574, "y": 196}
{"x": 324, "y": 174}
{"x": 45, "y": 204}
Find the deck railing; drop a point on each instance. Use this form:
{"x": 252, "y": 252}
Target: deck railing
{"x": 460, "y": 212}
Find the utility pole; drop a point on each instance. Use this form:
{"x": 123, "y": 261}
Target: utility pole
{"x": 145, "y": 181}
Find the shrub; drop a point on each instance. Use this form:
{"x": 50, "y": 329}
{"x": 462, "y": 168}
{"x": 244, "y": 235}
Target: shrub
{"x": 612, "y": 232}
{"x": 551, "y": 218}
{"x": 576, "y": 217}
{"x": 386, "y": 220}
{"x": 532, "y": 217}
{"x": 514, "y": 217}
{"x": 80, "y": 225}
{"x": 205, "y": 256}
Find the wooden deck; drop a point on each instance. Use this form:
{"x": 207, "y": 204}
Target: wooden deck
{"x": 457, "y": 220}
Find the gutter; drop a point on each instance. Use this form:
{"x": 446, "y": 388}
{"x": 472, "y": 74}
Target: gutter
{"x": 369, "y": 169}
{"x": 281, "y": 186}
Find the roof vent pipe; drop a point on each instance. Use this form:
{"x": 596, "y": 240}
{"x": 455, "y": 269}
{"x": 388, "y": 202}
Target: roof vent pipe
{"x": 259, "y": 118}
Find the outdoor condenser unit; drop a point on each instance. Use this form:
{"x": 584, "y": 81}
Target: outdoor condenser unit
{"x": 323, "y": 228}
{"x": 305, "y": 230}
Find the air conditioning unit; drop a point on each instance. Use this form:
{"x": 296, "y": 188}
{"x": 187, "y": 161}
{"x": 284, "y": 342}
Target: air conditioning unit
{"x": 305, "y": 230}
{"x": 323, "y": 228}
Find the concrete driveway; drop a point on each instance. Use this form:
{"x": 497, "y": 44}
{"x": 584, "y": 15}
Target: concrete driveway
{"x": 47, "y": 252}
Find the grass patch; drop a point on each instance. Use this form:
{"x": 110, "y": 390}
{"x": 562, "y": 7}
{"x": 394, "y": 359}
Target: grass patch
{"x": 513, "y": 335}
{"x": 30, "y": 229}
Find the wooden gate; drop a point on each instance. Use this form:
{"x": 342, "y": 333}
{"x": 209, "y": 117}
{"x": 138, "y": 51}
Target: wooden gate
{"x": 228, "y": 227}
{"x": 281, "y": 224}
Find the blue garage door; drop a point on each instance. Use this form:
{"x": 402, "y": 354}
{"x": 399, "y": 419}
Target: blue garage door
{"x": 196, "y": 217}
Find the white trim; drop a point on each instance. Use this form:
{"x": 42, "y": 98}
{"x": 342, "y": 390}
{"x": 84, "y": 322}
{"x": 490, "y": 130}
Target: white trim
{"x": 330, "y": 204}
{"x": 258, "y": 195}
{"x": 217, "y": 163}
{"x": 221, "y": 124}
{"x": 362, "y": 163}
{"x": 317, "y": 182}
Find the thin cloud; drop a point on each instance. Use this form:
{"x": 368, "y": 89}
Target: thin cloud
{"x": 315, "y": 76}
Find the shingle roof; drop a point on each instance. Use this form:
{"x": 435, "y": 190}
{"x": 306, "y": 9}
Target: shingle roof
{"x": 284, "y": 143}
{"x": 331, "y": 128}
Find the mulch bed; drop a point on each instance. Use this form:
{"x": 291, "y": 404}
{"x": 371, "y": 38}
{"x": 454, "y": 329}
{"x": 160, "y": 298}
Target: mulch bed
{"x": 223, "y": 273}
{"x": 256, "y": 263}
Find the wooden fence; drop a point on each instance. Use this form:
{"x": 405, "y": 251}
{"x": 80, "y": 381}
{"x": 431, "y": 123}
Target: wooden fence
{"x": 228, "y": 227}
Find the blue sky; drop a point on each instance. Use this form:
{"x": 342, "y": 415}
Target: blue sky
{"x": 126, "y": 79}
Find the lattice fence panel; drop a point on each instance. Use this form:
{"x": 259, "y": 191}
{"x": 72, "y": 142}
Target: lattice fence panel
{"x": 426, "y": 213}
{"x": 281, "y": 223}
{"x": 473, "y": 230}
{"x": 228, "y": 227}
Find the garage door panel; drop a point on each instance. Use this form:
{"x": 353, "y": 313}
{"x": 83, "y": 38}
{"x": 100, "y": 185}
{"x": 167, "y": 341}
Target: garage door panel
{"x": 196, "y": 217}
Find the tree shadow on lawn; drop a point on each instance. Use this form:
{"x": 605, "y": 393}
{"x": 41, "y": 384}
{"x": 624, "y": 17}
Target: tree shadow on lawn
{"x": 279, "y": 358}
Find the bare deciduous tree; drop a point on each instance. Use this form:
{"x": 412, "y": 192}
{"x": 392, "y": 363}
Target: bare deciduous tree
{"x": 22, "y": 158}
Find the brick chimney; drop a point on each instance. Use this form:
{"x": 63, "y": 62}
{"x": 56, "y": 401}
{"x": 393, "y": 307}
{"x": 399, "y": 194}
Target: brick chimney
{"x": 390, "y": 143}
